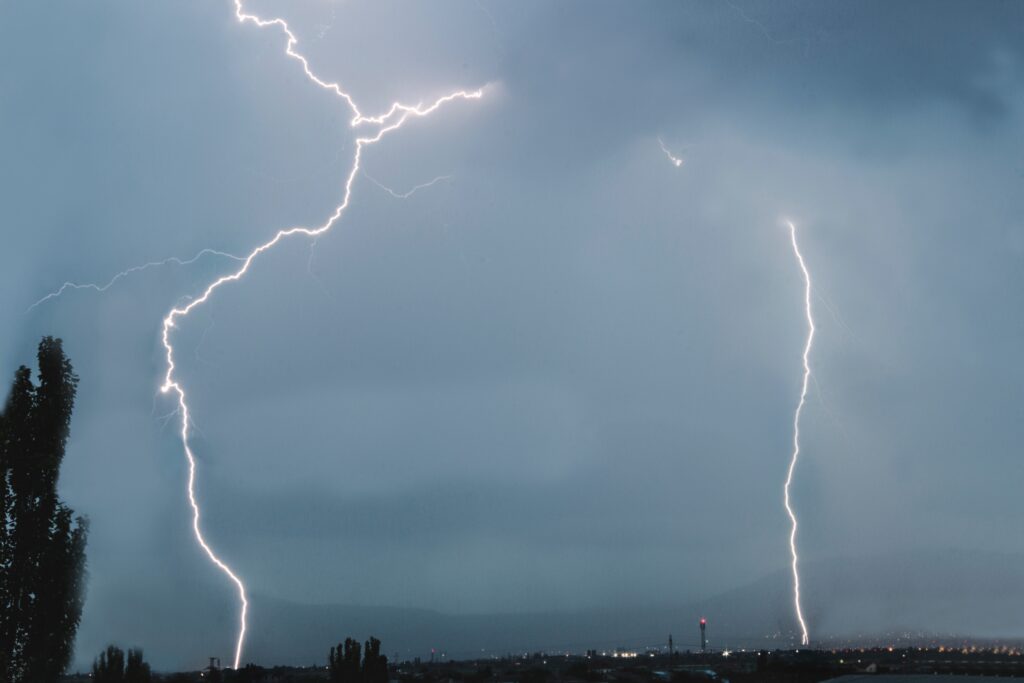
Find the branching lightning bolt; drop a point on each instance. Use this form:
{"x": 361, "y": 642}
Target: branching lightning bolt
{"x": 676, "y": 161}
{"x": 391, "y": 120}
{"x": 134, "y": 269}
{"x": 405, "y": 195}
{"x": 804, "y": 638}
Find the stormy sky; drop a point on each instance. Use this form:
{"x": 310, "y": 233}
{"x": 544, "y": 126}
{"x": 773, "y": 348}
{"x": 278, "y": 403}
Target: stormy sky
{"x": 563, "y": 376}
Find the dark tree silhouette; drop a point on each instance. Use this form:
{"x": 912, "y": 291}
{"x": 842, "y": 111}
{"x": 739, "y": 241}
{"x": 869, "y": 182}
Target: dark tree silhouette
{"x": 136, "y": 670}
{"x": 112, "y": 667}
{"x": 42, "y": 550}
{"x": 344, "y": 665}
{"x": 109, "y": 666}
{"x": 375, "y": 665}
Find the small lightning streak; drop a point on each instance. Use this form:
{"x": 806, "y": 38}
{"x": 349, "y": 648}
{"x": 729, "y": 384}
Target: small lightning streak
{"x": 391, "y": 120}
{"x": 124, "y": 273}
{"x": 805, "y": 638}
{"x": 405, "y": 195}
{"x": 676, "y": 161}
{"x": 764, "y": 29}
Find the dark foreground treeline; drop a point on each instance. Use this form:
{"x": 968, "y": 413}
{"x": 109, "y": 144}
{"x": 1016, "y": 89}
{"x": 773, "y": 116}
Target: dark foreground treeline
{"x": 348, "y": 662}
{"x": 803, "y": 666}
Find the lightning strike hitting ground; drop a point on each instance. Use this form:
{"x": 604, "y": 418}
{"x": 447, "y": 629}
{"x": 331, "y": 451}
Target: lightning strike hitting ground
{"x": 124, "y": 273}
{"x": 405, "y": 195}
{"x": 676, "y": 161}
{"x": 804, "y": 638}
{"x": 391, "y": 120}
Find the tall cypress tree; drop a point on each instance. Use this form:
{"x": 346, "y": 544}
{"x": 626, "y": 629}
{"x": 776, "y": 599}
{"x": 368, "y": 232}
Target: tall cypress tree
{"x": 343, "y": 663}
{"x": 112, "y": 667}
{"x": 42, "y": 549}
{"x": 375, "y": 665}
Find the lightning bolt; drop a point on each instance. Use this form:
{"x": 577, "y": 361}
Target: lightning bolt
{"x": 805, "y": 638}
{"x": 396, "y": 115}
{"x": 125, "y": 273}
{"x": 765, "y": 32}
{"x": 676, "y": 161}
{"x": 405, "y": 195}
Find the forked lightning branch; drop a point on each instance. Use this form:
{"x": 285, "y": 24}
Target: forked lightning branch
{"x": 395, "y": 116}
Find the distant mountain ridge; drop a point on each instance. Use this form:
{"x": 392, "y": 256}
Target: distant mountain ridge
{"x": 938, "y": 592}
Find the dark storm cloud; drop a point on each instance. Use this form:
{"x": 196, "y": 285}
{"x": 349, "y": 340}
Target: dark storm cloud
{"x": 671, "y": 65}
{"x": 563, "y": 378}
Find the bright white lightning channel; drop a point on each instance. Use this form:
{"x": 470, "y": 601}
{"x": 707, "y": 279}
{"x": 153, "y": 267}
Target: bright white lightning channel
{"x": 396, "y": 115}
{"x": 676, "y": 161}
{"x": 804, "y": 638}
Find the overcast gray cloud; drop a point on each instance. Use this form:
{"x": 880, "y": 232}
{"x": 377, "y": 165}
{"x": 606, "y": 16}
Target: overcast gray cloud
{"x": 564, "y": 377}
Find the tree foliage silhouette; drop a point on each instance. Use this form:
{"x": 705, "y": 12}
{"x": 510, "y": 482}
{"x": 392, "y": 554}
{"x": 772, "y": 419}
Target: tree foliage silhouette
{"x": 375, "y": 665}
{"x": 112, "y": 667}
{"x": 109, "y": 666}
{"x": 344, "y": 665}
{"x": 136, "y": 670}
{"x": 42, "y": 550}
